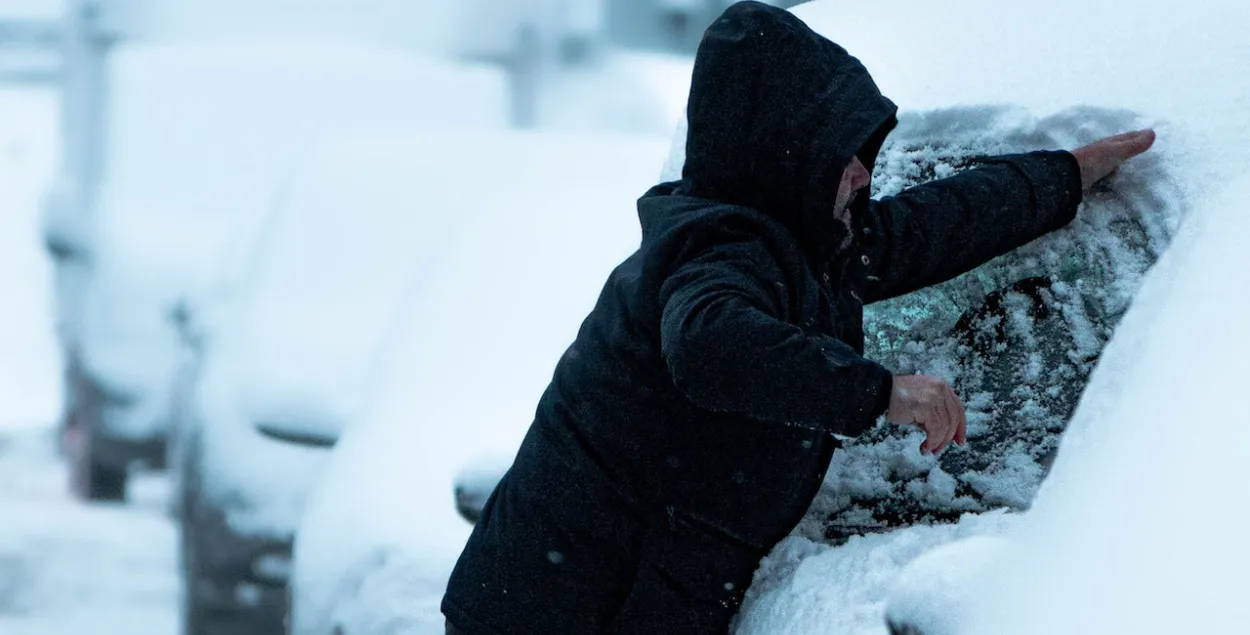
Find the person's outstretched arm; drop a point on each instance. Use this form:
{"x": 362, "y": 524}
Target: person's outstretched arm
{"x": 933, "y": 232}
{"x": 729, "y": 347}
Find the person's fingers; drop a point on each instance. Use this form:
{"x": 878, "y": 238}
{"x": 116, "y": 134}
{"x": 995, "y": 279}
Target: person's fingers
{"x": 932, "y": 430}
{"x": 943, "y": 416}
{"x": 941, "y": 428}
{"x": 1100, "y": 158}
{"x": 961, "y": 422}
{"x": 952, "y": 417}
{"x": 1131, "y": 144}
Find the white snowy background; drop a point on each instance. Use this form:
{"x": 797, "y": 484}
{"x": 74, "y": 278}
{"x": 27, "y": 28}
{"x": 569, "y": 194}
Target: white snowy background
{"x": 1168, "y": 540}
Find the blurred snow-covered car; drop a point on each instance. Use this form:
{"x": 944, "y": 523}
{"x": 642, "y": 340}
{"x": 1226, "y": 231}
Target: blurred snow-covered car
{"x": 551, "y": 215}
{"x": 200, "y": 137}
{"x": 296, "y": 343}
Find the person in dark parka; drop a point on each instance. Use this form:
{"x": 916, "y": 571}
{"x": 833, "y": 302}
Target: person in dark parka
{"x": 686, "y": 430}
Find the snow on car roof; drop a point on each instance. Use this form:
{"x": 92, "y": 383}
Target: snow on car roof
{"x": 1175, "y": 63}
{"x": 551, "y": 215}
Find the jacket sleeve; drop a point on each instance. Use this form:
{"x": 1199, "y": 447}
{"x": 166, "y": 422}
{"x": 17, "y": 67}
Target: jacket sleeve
{"x": 933, "y": 232}
{"x": 729, "y": 349}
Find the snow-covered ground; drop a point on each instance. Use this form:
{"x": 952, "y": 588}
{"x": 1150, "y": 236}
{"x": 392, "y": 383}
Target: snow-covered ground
{"x": 70, "y": 568}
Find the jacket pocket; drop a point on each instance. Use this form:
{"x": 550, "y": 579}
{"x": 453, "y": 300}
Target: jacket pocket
{"x": 690, "y": 578}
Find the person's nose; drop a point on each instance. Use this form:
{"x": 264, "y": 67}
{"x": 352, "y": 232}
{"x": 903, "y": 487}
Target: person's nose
{"x": 860, "y": 178}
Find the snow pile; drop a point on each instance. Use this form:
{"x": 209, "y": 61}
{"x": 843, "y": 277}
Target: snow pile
{"x": 936, "y": 593}
{"x": 398, "y": 592}
{"x": 810, "y": 588}
{"x": 66, "y": 567}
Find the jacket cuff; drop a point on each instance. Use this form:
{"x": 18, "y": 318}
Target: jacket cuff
{"x": 1056, "y": 179}
{"x": 1070, "y": 190}
{"x": 881, "y": 387}
{"x": 883, "y": 397}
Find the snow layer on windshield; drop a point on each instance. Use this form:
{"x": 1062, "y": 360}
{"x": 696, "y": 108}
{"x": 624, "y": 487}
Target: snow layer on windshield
{"x": 1020, "y": 370}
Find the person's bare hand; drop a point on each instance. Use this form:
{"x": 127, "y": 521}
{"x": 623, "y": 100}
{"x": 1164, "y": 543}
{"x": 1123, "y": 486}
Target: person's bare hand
{"x": 932, "y": 405}
{"x": 1100, "y": 158}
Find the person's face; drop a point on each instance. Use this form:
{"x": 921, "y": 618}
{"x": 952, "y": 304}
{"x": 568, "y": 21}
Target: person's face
{"x": 854, "y": 179}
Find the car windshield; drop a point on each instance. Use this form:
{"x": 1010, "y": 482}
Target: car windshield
{"x": 1018, "y": 336}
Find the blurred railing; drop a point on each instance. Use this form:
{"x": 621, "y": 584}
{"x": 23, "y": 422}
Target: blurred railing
{"x": 30, "y": 51}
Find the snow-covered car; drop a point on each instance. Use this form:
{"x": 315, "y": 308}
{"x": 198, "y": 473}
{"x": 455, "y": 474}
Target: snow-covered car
{"x": 1093, "y": 553}
{"x": 201, "y": 135}
{"x": 551, "y": 215}
{"x": 297, "y": 343}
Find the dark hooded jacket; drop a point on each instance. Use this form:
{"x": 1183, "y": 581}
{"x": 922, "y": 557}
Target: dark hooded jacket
{"x": 687, "y": 429}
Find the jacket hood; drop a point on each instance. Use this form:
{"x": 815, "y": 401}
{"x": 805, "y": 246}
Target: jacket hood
{"x": 776, "y": 113}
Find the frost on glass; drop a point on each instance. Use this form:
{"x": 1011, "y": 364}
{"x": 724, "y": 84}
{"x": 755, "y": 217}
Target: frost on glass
{"x": 1017, "y": 338}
